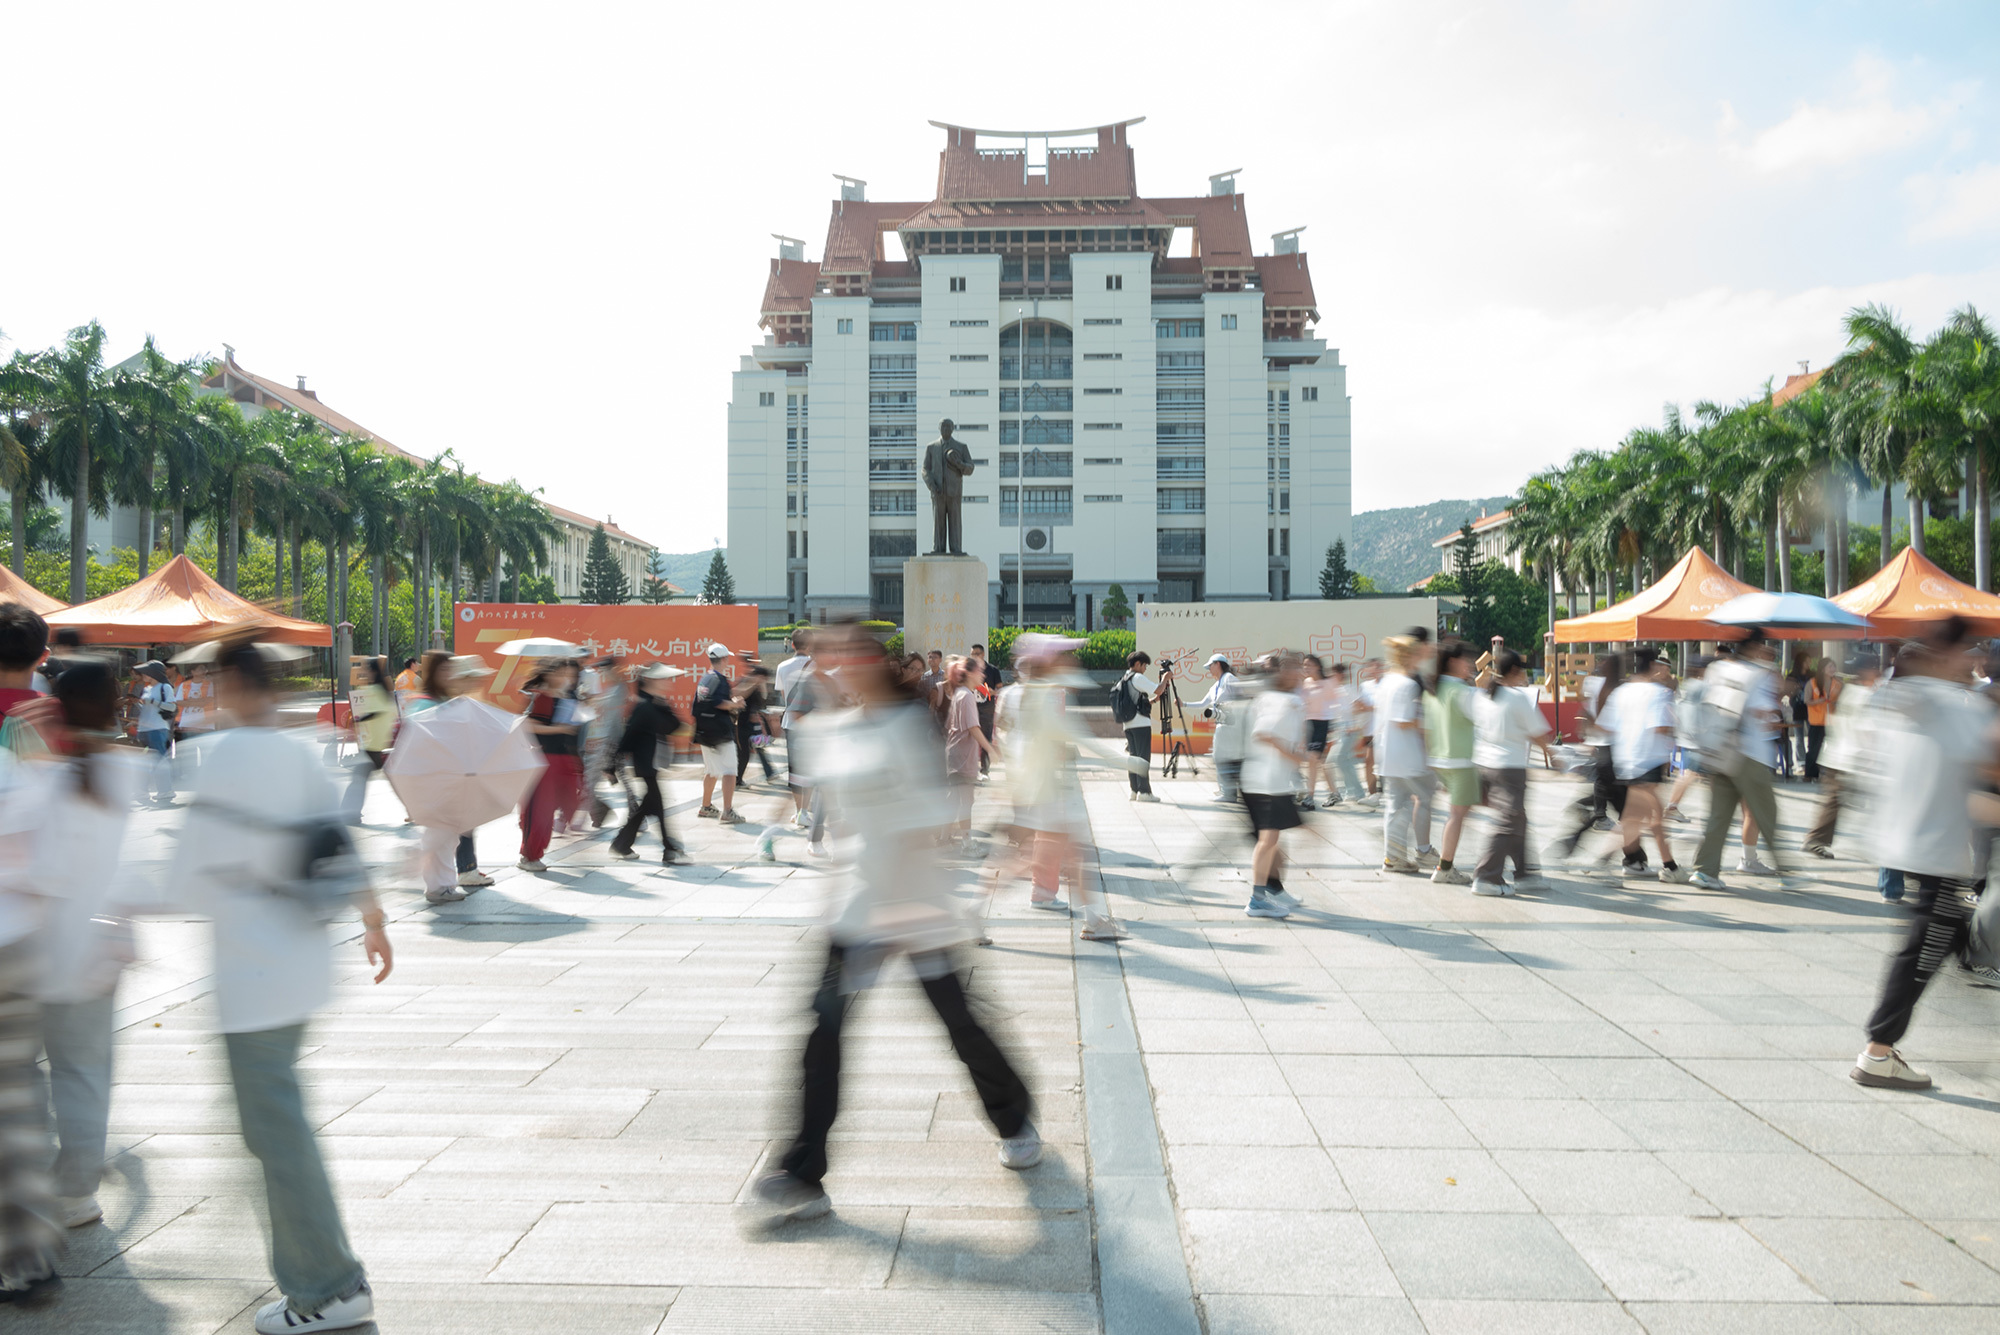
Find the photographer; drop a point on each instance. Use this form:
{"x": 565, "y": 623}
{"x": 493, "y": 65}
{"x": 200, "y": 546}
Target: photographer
{"x": 1132, "y": 706}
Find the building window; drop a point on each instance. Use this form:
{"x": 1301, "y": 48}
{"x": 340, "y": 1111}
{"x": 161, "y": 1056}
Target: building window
{"x": 1104, "y": 322}
{"x": 972, "y": 426}
{"x": 1115, "y": 500}
{"x": 893, "y": 367}
{"x": 843, "y": 326}
{"x": 968, "y": 356}
{"x": 1103, "y": 426}
{"x": 1309, "y": 393}
{"x": 1228, "y": 322}
{"x": 1177, "y": 328}
{"x": 892, "y": 470}
{"x": 1182, "y": 501}
{"x": 966, "y": 324}
{"x": 888, "y": 591}
{"x": 1180, "y": 468}
{"x": 792, "y": 503}
{"x": 1104, "y": 356}
{"x": 1102, "y": 459}
{"x": 1046, "y": 500}
{"x": 1036, "y": 399}
{"x": 903, "y": 502}
{"x": 1102, "y": 390}
{"x": 968, "y": 394}
{"x": 1113, "y": 282}
{"x": 1035, "y": 431}
{"x": 975, "y": 500}
{"x": 1284, "y": 542}
{"x": 767, "y": 399}
{"x": 1183, "y": 542}
{"x": 892, "y": 333}
{"x": 893, "y": 542}
{"x": 957, "y": 285}
{"x": 1041, "y": 463}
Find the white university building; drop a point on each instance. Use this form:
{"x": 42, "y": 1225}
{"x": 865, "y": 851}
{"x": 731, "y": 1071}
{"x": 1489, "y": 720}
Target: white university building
{"x": 1143, "y": 395}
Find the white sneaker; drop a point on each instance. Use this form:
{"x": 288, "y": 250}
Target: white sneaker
{"x": 1750, "y": 865}
{"x": 1534, "y": 885}
{"x": 1053, "y": 904}
{"x": 77, "y": 1211}
{"x": 1131, "y": 796}
{"x": 278, "y": 1318}
{"x": 1491, "y": 889}
{"x": 781, "y": 1196}
{"x": 1890, "y": 1072}
{"x": 1022, "y": 1151}
{"x": 1678, "y": 875}
{"x": 1427, "y": 858}
{"x": 474, "y": 880}
{"x": 1450, "y": 876}
{"x": 1147, "y": 797}
{"x": 532, "y": 864}
{"x": 1701, "y": 880}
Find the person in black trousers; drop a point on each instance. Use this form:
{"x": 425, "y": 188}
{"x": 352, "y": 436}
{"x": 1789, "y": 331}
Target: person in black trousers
{"x": 991, "y": 676}
{"x": 748, "y": 720}
{"x": 652, "y": 721}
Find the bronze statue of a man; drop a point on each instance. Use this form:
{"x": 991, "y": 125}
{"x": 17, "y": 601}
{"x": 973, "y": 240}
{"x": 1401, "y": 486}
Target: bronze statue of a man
{"x": 947, "y": 463}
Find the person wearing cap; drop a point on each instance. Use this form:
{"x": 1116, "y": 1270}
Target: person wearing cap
{"x": 157, "y": 701}
{"x": 715, "y": 708}
{"x": 650, "y": 724}
{"x": 1226, "y": 743}
{"x": 448, "y": 877}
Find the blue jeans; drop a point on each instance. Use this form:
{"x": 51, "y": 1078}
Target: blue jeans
{"x": 310, "y": 1255}
{"x": 161, "y": 781}
{"x": 77, "y": 1037}
{"x": 1889, "y": 882}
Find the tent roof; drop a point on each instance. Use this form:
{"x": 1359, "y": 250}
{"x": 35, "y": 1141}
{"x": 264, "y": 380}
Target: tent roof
{"x": 14, "y": 589}
{"x": 176, "y": 603}
{"x": 1670, "y": 610}
{"x": 1911, "y": 592}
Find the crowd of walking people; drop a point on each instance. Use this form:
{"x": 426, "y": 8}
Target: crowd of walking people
{"x": 884, "y": 756}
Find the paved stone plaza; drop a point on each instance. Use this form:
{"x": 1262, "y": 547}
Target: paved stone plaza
{"x": 1611, "y": 1108}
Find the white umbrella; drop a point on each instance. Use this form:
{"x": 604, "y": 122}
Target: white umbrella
{"x": 462, "y": 764}
{"x": 1791, "y": 611}
{"x": 541, "y": 647}
{"x": 273, "y": 654}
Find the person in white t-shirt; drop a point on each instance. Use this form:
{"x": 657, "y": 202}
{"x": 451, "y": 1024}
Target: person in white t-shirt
{"x": 1639, "y": 718}
{"x": 273, "y": 969}
{"x": 1400, "y": 757}
{"x": 1934, "y": 745}
{"x": 1506, "y": 720}
{"x": 1271, "y": 760}
{"x": 1742, "y": 690}
{"x": 1361, "y": 726}
{"x": 1345, "y": 772}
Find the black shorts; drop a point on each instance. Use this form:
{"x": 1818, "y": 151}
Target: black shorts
{"x": 1657, "y": 774}
{"x": 1272, "y": 811}
{"x": 1316, "y": 730}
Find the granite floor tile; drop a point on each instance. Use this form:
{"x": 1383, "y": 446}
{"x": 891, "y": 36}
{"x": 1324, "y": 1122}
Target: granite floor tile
{"x": 1328, "y": 1252}
{"x": 1232, "y": 1119}
{"x": 1410, "y": 1180}
{"x": 1261, "y": 1314}
{"x": 1561, "y": 1124}
{"x": 1601, "y": 1182}
{"x": 1042, "y": 1251}
{"x": 1929, "y": 1185}
{"x": 1685, "y": 1124}
{"x": 1776, "y": 1185}
{"x": 1513, "y": 1256}
{"x": 1500, "y": 1316}
{"x": 1255, "y": 1177}
{"x": 1664, "y": 1258}
{"x": 656, "y": 1244}
{"x": 1406, "y": 1123}
{"x": 1879, "y": 1260}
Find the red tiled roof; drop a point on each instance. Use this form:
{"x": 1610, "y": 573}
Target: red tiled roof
{"x": 611, "y": 530}
{"x": 1479, "y": 525}
{"x": 1221, "y": 226}
{"x": 1796, "y": 385}
{"x": 854, "y": 236}
{"x": 791, "y": 285}
{"x": 1287, "y": 283}
{"x": 966, "y": 172}
{"x": 1032, "y": 213}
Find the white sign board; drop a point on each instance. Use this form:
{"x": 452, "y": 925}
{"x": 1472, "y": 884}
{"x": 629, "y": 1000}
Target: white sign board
{"x": 1346, "y": 631}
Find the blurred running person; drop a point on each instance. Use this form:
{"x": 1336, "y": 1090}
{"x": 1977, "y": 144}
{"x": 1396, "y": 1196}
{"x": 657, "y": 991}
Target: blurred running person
{"x": 985, "y": 681}
{"x": 895, "y": 901}
{"x": 447, "y": 860}
{"x": 1506, "y": 719}
{"x": 1226, "y": 741}
{"x": 159, "y": 700}
{"x": 1276, "y": 750}
{"x": 1687, "y": 716}
{"x": 1740, "y": 734}
{"x": 1936, "y": 747}
{"x": 965, "y": 745}
{"x": 273, "y": 969}
{"x": 1400, "y": 759}
{"x": 1846, "y": 720}
{"x": 373, "y": 711}
{"x": 1639, "y": 716}
{"x": 1822, "y": 695}
{"x": 1448, "y": 728}
{"x": 651, "y": 722}
{"x": 1326, "y": 705}
{"x": 552, "y": 720}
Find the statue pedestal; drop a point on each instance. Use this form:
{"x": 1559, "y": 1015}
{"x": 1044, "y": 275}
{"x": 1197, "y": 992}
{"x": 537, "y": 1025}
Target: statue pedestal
{"x": 944, "y": 604}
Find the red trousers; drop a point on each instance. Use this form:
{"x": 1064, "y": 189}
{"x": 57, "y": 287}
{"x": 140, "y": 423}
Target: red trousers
{"x": 555, "y": 791}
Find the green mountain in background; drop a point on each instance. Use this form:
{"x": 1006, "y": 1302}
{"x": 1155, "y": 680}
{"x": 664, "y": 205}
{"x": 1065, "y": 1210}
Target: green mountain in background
{"x": 687, "y": 568}
{"x": 1393, "y": 547}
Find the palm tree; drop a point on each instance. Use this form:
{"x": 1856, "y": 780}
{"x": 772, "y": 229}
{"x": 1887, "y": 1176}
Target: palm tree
{"x": 1882, "y": 404}
{"x": 24, "y": 472}
{"x": 1960, "y": 368}
{"x": 231, "y": 449}
{"x": 83, "y": 412}
{"x": 160, "y": 395}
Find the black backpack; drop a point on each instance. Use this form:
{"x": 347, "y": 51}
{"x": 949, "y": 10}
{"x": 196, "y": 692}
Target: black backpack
{"x": 1123, "y": 707}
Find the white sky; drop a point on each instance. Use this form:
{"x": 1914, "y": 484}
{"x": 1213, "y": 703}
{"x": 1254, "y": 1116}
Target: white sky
{"x": 537, "y": 235}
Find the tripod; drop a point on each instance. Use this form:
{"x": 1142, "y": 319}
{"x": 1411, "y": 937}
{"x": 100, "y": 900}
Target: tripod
{"x": 1177, "y": 747}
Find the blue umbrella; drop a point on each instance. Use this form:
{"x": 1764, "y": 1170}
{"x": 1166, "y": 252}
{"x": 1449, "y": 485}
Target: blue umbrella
{"x": 1791, "y": 611}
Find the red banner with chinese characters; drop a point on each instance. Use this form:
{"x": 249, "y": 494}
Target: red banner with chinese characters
{"x": 677, "y": 634}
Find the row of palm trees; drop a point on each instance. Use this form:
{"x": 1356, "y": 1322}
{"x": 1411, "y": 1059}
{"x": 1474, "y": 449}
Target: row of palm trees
{"x": 1756, "y": 479}
{"x": 139, "y": 435}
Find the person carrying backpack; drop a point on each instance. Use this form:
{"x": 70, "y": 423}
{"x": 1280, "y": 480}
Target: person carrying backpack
{"x": 1132, "y": 709}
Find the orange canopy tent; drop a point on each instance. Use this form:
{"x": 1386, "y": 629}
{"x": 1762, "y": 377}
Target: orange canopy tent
{"x": 1672, "y": 609}
{"x": 1910, "y": 592}
{"x": 176, "y": 603}
{"x": 14, "y": 589}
